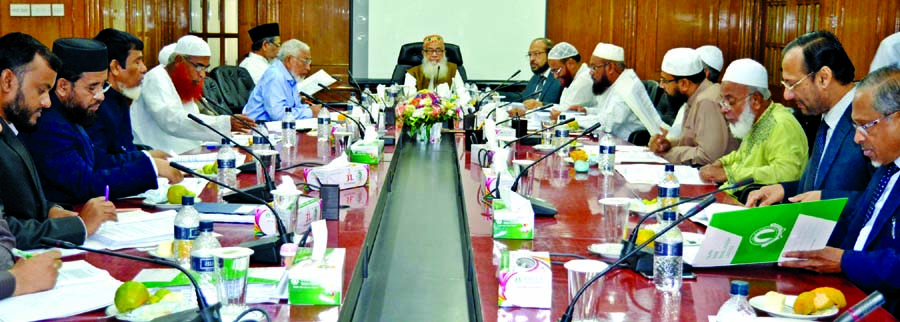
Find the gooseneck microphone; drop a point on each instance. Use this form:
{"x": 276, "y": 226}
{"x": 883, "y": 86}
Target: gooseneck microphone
{"x": 270, "y": 184}
{"x": 265, "y": 250}
{"x": 359, "y": 126}
{"x": 541, "y": 108}
{"x": 204, "y": 312}
{"x": 502, "y": 85}
{"x": 594, "y": 127}
{"x": 248, "y": 125}
{"x": 566, "y": 121}
{"x": 371, "y": 118}
{"x": 567, "y": 316}
{"x": 359, "y": 88}
{"x": 863, "y": 308}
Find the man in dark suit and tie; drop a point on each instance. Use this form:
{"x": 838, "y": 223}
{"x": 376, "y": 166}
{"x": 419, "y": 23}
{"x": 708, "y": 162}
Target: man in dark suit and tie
{"x": 867, "y": 248}
{"x": 543, "y": 82}
{"x": 27, "y": 74}
{"x": 818, "y": 75}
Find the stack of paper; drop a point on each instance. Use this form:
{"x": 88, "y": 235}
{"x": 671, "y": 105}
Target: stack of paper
{"x": 80, "y": 288}
{"x": 638, "y": 157}
{"x": 650, "y": 174}
{"x": 194, "y": 161}
{"x": 134, "y": 229}
{"x": 706, "y": 214}
{"x": 310, "y": 84}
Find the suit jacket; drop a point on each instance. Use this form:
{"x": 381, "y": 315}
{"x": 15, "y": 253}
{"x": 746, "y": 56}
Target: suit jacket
{"x": 111, "y": 133}
{"x": 21, "y": 195}
{"x": 844, "y": 171}
{"x": 551, "y": 91}
{"x": 876, "y": 266}
{"x": 72, "y": 171}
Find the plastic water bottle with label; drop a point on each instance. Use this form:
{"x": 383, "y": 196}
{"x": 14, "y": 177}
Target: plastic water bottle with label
{"x": 226, "y": 161}
{"x": 202, "y": 261}
{"x": 289, "y": 127}
{"x": 668, "y": 190}
{"x": 187, "y": 222}
{"x": 607, "y": 162}
{"x": 260, "y": 141}
{"x": 324, "y": 120}
{"x": 561, "y": 136}
{"x": 737, "y": 308}
{"x": 667, "y": 261}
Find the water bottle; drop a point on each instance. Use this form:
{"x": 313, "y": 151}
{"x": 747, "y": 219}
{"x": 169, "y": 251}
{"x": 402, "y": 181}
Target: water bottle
{"x": 202, "y": 261}
{"x": 187, "y": 222}
{"x": 324, "y": 120}
{"x": 607, "y": 162}
{"x": 260, "y": 136}
{"x": 561, "y": 136}
{"x": 289, "y": 127}
{"x": 367, "y": 98}
{"x": 226, "y": 161}
{"x": 668, "y": 190}
{"x": 737, "y": 308}
{"x": 667, "y": 262}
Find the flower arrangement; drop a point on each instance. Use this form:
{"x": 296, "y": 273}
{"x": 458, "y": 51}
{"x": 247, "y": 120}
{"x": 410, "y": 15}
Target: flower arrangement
{"x": 423, "y": 113}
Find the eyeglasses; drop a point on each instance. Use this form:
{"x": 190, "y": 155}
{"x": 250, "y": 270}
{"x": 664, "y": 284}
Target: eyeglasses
{"x": 97, "y": 91}
{"x": 865, "y": 127}
{"x": 434, "y": 51}
{"x": 556, "y": 70}
{"x": 533, "y": 54}
{"x": 663, "y": 80}
{"x": 307, "y": 61}
{"x": 794, "y": 85}
{"x": 597, "y": 67}
{"x": 727, "y": 106}
{"x": 198, "y": 67}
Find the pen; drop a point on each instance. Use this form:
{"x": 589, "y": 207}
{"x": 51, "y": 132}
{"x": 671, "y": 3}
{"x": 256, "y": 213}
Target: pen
{"x": 894, "y": 227}
{"x": 107, "y": 192}
{"x": 19, "y": 253}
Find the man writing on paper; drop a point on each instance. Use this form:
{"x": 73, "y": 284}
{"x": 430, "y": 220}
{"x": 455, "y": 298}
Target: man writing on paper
{"x": 27, "y": 74}
{"x": 266, "y": 40}
{"x": 773, "y": 147}
{"x": 818, "y": 75}
{"x": 276, "y": 89}
{"x": 865, "y": 245}
{"x": 705, "y": 136}
{"x": 27, "y": 275}
{"x": 70, "y": 168}
{"x": 160, "y": 115}
{"x": 435, "y": 69}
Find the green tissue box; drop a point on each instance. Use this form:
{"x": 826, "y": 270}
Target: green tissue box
{"x": 316, "y": 282}
{"x": 367, "y": 152}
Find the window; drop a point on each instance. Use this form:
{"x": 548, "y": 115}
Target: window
{"x": 216, "y": 21}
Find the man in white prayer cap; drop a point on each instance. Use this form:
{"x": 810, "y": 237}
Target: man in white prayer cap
{"x": 573, "y": 76}
{"x": 888, "y": 53}
{"x": 160, "y": 114}
{"x": 705, "y": 136}
{"x": 711, "y": 57}
{"x": 773, "y": 147}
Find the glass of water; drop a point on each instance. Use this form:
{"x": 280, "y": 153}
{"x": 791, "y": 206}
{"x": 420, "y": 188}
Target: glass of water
{"x": 231, "y": 272}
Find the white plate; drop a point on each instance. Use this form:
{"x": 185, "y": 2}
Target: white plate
{"x": 148, "y": 312}
{"x": 152, "y": 252}
{"x": 544, "y": 147}
{"x": 591, "y": 161}
{"x": 609, "y": 250}
{"x": 788, "y": 309}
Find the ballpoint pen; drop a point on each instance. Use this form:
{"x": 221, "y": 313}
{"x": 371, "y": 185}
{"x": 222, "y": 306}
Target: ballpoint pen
{"x": 107, "y": 192}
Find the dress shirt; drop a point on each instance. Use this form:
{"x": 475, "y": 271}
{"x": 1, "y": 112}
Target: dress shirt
{"x": 275, "y": 91}
{"x": 579, "y": 91}
{"x": 256, "y": 65}
{"x": 833, "y": 116}
{"x": 867, "y": 229}
{"x": 705, "y": 136}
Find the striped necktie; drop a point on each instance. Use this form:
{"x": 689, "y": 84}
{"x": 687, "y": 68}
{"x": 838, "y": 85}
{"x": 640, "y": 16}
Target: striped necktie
{"x": 816, "y": 160}
{"x": 882, "y": 184}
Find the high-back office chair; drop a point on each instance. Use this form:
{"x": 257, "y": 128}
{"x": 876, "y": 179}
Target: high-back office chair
{"x": 411, "y": 56}
{"x": 212, "y": 92}
{"x": 235, "y": 84}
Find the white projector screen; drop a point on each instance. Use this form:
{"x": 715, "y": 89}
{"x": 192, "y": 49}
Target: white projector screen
{"x": 493, "y": 35}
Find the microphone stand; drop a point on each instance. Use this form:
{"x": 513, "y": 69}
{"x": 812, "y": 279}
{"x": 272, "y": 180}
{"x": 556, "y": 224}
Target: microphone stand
{"x": 205, "y": 312}
{"x": 502, "y": 85}
{"x": 360, "y": 127}
{"x": 567, "y": 121}
{"x": 371, "y": 118}
{"x": 567, "y": 316}
{"x": 248, "y": 125}
{"x": 359, "y": 88}
{"x": 541, "y": 108}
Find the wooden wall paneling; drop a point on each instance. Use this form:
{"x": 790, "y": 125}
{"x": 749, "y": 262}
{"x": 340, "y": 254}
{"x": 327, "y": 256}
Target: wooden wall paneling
{"x": 861, "y": 25}
{"x": 45, "y": 29}
{"x": 325, "y": 26}
{"x": 647, "y": 52}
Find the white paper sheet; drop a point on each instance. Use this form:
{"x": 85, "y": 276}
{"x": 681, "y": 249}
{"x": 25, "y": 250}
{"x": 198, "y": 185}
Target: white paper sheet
{"x": 706, "y": 214}
{"x": 310, "y": 85}
{"x": 638, "y": 157}
{"x": 650, "y": 174}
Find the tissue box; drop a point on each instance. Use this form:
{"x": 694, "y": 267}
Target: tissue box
{"x": 367, "y": 152}
{"x": 526, "y": 280}
{"x": 316, "y": 283}
{"x": 307, "y": 212}
{"x": 349, "y": 176}
{"x": 513, "y": 217}
{"x": 490, "y": 180}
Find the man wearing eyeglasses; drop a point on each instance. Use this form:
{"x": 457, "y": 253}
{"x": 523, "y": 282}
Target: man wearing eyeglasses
{"x": 71, "y": 170}
{"x": 160, "y": 115}
{"x": 266, "y": 40}
{"x": 435, "y": 69}
{"x": 543, "y": 87}
{"x": 818, "y": 75}
{"x": 276, "y": 89}
{"x": 864, "y": 245}
{"x": 773, "y": 147}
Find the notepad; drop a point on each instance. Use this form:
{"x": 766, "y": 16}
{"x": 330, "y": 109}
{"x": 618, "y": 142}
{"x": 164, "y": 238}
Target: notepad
{"x": 81, "y": 287}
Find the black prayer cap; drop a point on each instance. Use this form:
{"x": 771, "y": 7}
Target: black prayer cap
{"x": 81, "y": 55}
{"x": 264, "y": 31}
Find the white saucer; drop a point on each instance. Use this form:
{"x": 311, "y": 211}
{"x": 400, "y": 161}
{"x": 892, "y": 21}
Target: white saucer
{"x": 788, "y": 310}
{"x": 609, "y": 250}
{"x": 544, "y": 147}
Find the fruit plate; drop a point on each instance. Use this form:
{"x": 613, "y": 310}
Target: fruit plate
{"x": 788, "y": 310}
{"x": 150, "y": 311}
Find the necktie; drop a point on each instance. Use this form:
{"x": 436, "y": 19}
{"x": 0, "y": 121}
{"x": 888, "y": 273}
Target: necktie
{"x": 540, "y": 85}
{"x": 888, "y": 173}
{"x": 818, "y": 150}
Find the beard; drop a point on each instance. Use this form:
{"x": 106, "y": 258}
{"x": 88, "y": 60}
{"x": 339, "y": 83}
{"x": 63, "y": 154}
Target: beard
{"x": 601, "y": 86}
{"x": 18, "y": 114}
{"x": 744, "y": 124}
{"x": 79, "y": 115}
{"x": 187, "y": 89}
{"x": 131, "y": 93}
{"x": 678, "y": 97}
{"x": 566, "y": 80}
{"x": 435, "y": 70}
{"x": 541, "y": 69}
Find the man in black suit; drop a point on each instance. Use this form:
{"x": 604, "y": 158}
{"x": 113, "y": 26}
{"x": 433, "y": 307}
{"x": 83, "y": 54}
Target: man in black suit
{"x": 543, "y": 80}
{"x": 27, "y": 74}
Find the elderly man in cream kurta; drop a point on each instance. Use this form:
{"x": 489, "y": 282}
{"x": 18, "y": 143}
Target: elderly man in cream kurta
{"x": 705, "y": 136}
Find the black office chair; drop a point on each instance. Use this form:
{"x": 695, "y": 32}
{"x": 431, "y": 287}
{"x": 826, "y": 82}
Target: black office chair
{"x": 411, "y": 56}
{"x": 235, "y": 84}
{"x": 212, "y": 92}
{"x": 665, "y": 105}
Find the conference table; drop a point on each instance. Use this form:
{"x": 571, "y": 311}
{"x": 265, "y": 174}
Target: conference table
{"x": 625, "y": 295}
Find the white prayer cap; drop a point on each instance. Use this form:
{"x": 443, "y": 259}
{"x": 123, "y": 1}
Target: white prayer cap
{"x": 747, "y": 72}
{"x": 562, "y": 50}
{"x": 888, "y": 53}
{"x": 712, "y": 56}
{"x": 192, "y": 46}
{"x": 609, "y": 52}
{"x": 165, "y": 53}
{"x": 682, "y": 62}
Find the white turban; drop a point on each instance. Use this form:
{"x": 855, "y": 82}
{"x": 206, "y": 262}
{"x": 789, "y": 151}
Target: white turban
{"x": 609, "y": 52}
{"x": 747, "y": 72}
{"x": 712, "y": 56}
{"x": 192, "y": 46}
{"x": 888, "y": 53}
{"x": 165, "y": 53}
{"x": 562, "y": 50}
{"x": 682, "y": 62}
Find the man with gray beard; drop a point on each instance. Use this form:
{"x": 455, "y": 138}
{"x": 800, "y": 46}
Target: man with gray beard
{"x": 774, "y": 145}
{"x": 435, "y": 69}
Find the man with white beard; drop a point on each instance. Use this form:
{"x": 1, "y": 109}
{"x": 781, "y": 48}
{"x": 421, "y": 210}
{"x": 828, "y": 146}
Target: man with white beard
{"x": 435, "y": 69}
{"x": 774, "y": 147}
{"x": 276, "y": 89}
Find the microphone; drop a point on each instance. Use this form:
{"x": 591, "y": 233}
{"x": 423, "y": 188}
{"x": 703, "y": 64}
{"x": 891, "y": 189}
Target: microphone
{"x": 567, "y": 316}
{"x": 360, "y": 127}
{"x": 261, "y": 191}
{"x": 232, "y": 115}
{"x": 541, "y": 108}
{"x": 502, "y": 85}
{"x": 566, "y": 121}
{"x": 265, "y": 250}
{"x": 633, "y": 237}
{"x": 371, "y": 118}
{"x": 205, "y": 312}
{"x": 356, "y": 84}
{"x": 863, "y": 308}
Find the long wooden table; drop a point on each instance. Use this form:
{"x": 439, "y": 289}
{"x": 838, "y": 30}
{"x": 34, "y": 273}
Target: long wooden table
{"x": 626, "y": 296}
